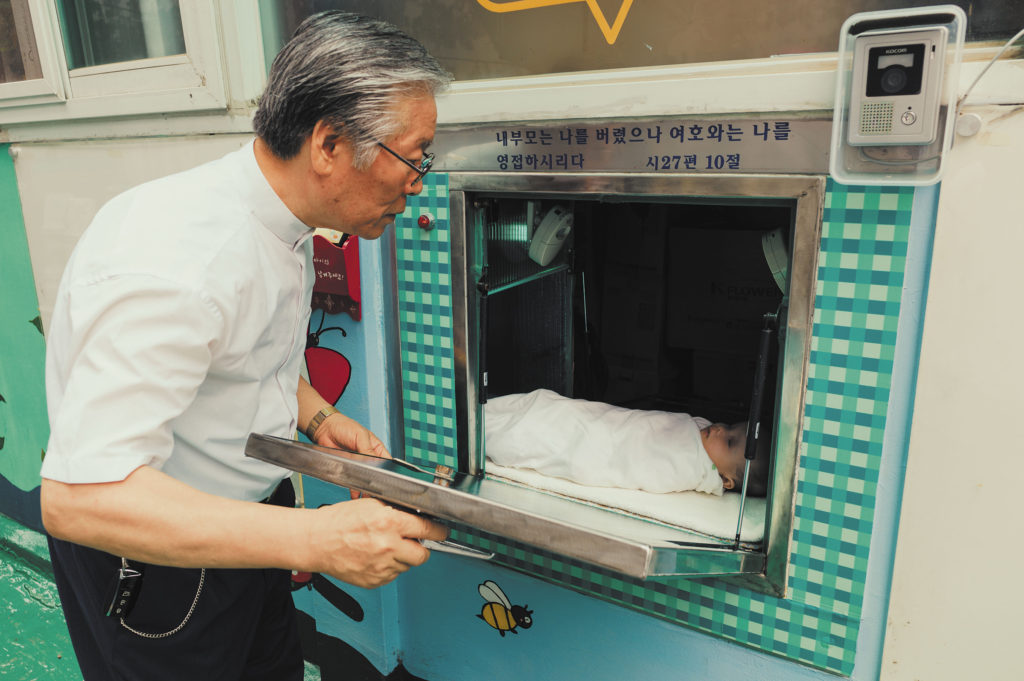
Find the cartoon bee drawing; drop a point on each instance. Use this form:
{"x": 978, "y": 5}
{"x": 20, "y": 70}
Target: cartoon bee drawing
{"x": 499, "y": 612}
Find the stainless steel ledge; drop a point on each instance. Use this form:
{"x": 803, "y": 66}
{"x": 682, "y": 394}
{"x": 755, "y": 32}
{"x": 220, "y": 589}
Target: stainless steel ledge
{"x": 609, "y": 539}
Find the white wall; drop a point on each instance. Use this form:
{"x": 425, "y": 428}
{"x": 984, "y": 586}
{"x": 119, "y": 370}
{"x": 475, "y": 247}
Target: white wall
{"x": 956, "y": 604}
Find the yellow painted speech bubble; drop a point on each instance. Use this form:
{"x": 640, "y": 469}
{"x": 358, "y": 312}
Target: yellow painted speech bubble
{"x": 611, "y": 32}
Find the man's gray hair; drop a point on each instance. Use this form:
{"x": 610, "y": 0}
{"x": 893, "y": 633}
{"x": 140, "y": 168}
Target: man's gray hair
{"x": 349, "y": 71}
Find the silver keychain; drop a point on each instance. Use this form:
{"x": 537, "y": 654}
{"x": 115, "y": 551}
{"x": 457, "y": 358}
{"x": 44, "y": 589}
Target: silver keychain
{"x": 129, "y": 580}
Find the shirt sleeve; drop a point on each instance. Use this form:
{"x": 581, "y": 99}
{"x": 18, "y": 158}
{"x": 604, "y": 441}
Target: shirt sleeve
{"x": 125, "y": 356}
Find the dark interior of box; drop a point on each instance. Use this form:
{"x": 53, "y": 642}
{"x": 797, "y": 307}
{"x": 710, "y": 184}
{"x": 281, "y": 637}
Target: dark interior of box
{"x": 647, "y": 306}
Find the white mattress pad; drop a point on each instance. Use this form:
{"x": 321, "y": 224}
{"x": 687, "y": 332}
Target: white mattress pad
{"x": 705, "y": 514}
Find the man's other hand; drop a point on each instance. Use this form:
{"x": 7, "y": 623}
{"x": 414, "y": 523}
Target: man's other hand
{"x": 368, "y": 543}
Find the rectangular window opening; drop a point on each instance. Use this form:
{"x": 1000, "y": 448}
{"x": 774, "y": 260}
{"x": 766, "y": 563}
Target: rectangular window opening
{"x": 657, "y": 301}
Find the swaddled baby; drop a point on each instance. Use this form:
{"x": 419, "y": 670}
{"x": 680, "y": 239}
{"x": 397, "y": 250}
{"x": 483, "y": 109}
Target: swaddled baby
{"x": 597, "y": 444}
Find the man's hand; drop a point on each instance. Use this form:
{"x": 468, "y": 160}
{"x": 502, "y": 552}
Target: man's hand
{"x": 337, "y": 430}
{"x": 367, "y": 543}
{"x": 341, "y": 432}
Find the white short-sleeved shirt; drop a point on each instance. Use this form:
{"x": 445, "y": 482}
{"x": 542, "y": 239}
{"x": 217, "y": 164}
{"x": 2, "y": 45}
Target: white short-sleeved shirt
{"x": 179, "y": 328}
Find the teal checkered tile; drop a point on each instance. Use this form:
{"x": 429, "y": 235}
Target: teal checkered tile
{"x": 425, "y": 323}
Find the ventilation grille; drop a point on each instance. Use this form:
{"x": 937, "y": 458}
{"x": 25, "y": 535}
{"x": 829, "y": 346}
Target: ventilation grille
{"x": 508, "y": 244}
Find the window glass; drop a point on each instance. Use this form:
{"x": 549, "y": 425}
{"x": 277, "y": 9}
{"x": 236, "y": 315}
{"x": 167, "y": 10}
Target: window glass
{"x": 477, "y": 39}
{"x": 19, "y": 56}
{"x": 100, "y": 32}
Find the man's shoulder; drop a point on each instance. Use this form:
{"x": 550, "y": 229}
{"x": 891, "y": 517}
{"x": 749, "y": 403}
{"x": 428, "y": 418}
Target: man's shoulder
{"x": 175, "y": 227}
{"x": 187, "y": 196}
{"x": 201, "y": 202}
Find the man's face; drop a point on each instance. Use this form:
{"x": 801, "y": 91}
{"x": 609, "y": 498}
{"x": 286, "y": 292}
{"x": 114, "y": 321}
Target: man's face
{"x": 725, "y": 446}
{"x": 364, "y": 202}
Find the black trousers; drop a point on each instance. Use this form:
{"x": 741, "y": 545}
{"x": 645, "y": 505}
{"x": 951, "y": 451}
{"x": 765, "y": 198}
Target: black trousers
{"x": 243, "y": 626}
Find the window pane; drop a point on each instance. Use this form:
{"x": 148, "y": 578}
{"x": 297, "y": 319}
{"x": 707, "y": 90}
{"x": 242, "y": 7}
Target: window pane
{"x": 19, "y": 58}
{"x": 476, "y": 39}
{"x": 110, "y": 31}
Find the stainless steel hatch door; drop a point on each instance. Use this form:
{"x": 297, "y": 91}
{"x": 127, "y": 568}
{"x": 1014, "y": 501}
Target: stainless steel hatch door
{"x": 609, "y": 539}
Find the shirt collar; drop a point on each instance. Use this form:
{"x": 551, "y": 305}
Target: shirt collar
{"x": 266, "y": 206}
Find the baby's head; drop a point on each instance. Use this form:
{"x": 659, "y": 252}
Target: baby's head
{"x": 726, "y": 446}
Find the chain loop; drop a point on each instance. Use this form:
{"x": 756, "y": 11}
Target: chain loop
{"x": 175, "y": 630}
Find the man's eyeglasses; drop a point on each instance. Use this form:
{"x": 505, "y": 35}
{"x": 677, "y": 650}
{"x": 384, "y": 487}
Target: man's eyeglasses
{"x": 422, "y": 169}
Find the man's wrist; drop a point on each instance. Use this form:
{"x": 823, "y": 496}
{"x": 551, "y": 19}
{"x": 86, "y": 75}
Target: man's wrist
{"x": 317, "y": 419}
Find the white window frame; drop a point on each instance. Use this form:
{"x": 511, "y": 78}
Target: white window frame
{"x": 50, "y": 87}
{"x": 192, "y": 82}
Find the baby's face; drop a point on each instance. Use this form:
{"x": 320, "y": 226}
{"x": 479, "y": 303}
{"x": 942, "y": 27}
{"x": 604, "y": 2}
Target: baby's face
{"x": 725, "y": 446}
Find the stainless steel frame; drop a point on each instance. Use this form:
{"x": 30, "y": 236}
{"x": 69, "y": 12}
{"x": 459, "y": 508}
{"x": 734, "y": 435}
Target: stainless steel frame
{"x": 807, "y": 191}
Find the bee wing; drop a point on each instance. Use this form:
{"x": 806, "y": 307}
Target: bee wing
{"x": 492, "y": 593}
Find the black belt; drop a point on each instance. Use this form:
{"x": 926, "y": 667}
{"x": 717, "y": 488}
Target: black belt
{"x": 282, "y": 495}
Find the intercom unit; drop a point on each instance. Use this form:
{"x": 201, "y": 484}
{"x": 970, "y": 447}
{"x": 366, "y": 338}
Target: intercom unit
{"x": 897, "y": 81}
{"x": 896, "y": 95}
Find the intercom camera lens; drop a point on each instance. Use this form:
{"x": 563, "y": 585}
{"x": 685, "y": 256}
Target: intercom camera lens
{"x": 894, "y": 79}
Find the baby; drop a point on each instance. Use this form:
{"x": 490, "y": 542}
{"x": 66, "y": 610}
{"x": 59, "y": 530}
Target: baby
{"x": 597, "y": 444}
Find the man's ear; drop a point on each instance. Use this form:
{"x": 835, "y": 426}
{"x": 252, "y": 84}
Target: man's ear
{"x": 727, "y": 482}
{"x": 324, "y": 147}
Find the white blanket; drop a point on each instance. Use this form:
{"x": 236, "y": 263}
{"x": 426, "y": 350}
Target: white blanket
{"x": 611, "y": 457}
{"x": 599, "y": 445}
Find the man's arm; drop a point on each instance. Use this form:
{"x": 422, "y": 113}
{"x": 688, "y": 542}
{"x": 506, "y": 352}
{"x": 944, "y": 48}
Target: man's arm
{"x": 337, "y": 430}
{"x": 152, "y": 517}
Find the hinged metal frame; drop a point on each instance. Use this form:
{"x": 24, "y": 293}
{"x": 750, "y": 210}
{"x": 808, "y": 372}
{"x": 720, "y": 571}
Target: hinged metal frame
{"x": 594, "y": 535}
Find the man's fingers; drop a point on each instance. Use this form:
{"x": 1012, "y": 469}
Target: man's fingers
{"x": 378, "y": 449}
{"x": 435, "y": 531}
{"x": 411, "y": 554}
{"x": 413, "y": 526}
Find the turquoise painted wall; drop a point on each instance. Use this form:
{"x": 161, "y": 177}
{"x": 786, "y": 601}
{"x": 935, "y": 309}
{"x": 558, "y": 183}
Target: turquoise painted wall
{"x": 356, "y": 630}
{"x": 24, "y": 428}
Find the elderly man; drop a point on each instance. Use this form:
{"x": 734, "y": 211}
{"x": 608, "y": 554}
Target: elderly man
{"x": 179, "y": 329}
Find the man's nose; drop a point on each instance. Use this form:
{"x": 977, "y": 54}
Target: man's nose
{"x": 414, "y": 187}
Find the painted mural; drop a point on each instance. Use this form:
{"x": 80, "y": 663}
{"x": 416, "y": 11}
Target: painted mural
{"x": 610, "y": 31}
{"x": 335, "y": 291}
{"x": 24, "y": 428}
{"x": 499, "y": 613}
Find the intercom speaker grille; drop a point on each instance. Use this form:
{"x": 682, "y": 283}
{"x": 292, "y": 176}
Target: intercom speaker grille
{"x": 876, "y": 118}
